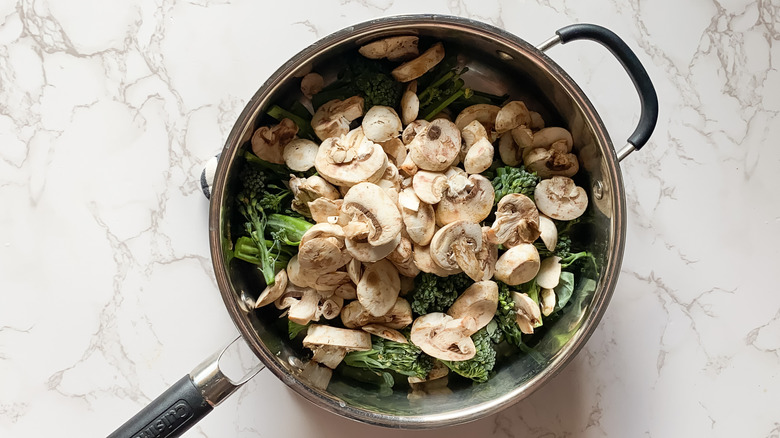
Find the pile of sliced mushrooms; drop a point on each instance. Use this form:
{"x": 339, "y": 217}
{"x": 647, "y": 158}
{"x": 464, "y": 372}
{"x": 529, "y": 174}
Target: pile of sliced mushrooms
{"x": 394, "y": 196}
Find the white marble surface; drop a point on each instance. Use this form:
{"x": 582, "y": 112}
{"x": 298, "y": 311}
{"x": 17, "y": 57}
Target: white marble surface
{"x": 109, "y": 108}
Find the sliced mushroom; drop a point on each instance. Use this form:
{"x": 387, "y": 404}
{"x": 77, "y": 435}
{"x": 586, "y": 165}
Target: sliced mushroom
{"x": 308, "y": 189}
{"x": 479, "y": 156}
{"x": 456, "y": 245}
{"x": 410, "y": 107}
{"x": 466, "y": 198}
{"x": 551, "y": 162}
{"x": 478, "y": 301}
{"x": 273, "y": 292}
{"x": 324, "y": 210}
{"x": 429, "y": 186}
{"x": 322, "y": 249}
{"x": 362, "y": 250}
{"x": 560, "y": 199}
{"x": 354, "y": 315}
{"x": 537, "y": 123}
{"x": 527, "y": 311}
{"x": 437, "y": 146}
{"x": 268, "y": 142}
{"x": 424, "y": 261}
{"x": 355, "y": 270}
{"x": 517, "y": 220}
{"x": 408, "y": 168}
{"x": 369, "y": 204}
{"x": 326, "y": 284}
{"x": 512, "y": 115}
{"x": 518, "y": 264}
{"x": 316, "y": 375}
{"x": 412, "y": 129}
{"x": 332, "y": 343}
{"x": 311, "y": 84}
{"x": 394, "y": 48}
{"x": 379, "y": 287}
{"x": 298, "y": 276}
{"x": 332, "y": 119}
{"x": 346, "y": 291}
{"x": 402, "y": 258}
{"x": 302, "y": 303}
{"x": 381, "y": 123}
{"x": 546, "y": 137}
{"x": 548, "y": 232}
{"x": 549, "y": 272}
{"x": 417, "y": 67}
{"x": 385, "y": 333}
{"x": 548, "y": 301}
{"x": 444, "y": 337}
{"x": 523, "y": 137}
{"x": 329, "y": 307}
{"x": 420, "y": 223}
{"x": 511, "y": 154}
{"x": 350, "y": 159}
{"x": 483, "y": 112}
{"x": 470, "y": 135}
{"x": 488, "y": 256}
{"x": 299, "y": 154}
{"x": 395, "y": 150}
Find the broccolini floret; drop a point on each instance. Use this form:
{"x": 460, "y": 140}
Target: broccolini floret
{"x": 477, "y": 368}
{"x": 506, "y": 316}
{"x": 432, "y": 293}
{"x": 363, "y": 77}
{"x": 514, "y": 180}
{"x": 406, "y": 359}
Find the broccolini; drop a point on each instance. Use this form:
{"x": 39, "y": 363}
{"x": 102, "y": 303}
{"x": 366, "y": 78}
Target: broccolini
{"x": 514, "y": 180}
{"x": 477, "y": 368}
{"x": 432, "y": 293}
{"x": 406, "y": 359}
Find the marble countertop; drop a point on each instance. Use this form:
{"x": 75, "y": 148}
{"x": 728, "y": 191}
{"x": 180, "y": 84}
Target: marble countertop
{"x": 109, "y": 109}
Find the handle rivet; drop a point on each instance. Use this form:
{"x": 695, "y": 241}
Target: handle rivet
{"x": 504, "y": 56}
{"x": 598, "y": 190}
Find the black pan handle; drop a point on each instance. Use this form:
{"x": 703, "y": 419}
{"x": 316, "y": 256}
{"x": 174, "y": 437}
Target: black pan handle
{"x": 644, "y": 86}
{"x": 186, "y": 402}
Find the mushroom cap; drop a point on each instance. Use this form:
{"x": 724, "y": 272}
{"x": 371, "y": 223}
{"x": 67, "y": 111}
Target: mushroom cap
{"x": 560, "y": 199}
{"x": 548, "y": 232}
{"x": 273, "y": 292}
{"x": 418, "y": 66}
{"x": 547, "y": 298}
{"x": 444, "y": 337}
{"x": 512, "y": 115}
{"x": 523, "y": 137}
{"x": 379, "y": 287}
{"x": 518, "y": 264}
{"x": 437, "y": 146}
{"x": 365, "y": 252}
{"x": 352, "y": 340}
{"x": 395, "y": 150}
{"x": 350, "y": 159}
{"x": 354, "y": 315}
{"x": 385, "y": 333}
{"x": 410, "y": 107}
{"x": 299, "y": 154}
{"x": 478, "y": 301}
{"x": 517, "y": 220}
{"x": 381, "y": 123}
{"x": 429, "y": 186}
{"x": 302, "y": 303}
{"x": 317, "y": 376}
{"x": 298, "y": 276}
{"x": 420, "y": 224}
{"x": 412, "y": 129}
{"x": 332, "y": 119}
{"x": 537, "y": 122}
{"x": 368, "y": 203}
{"x": 424, "y": 261}
{"x": 324, "y": 210}
{"x": 545, "y": 137}
{"x": 329, "y": 307}
{"x": 487, "y": 256}
{"x": 470, "y": 134}
{"x": 549, "y": 272}
{"x": 395, "y": 48}
{"x": 456, "y": 245}
{"x": 479, "y": 156}
{"x": 509, "y": 151}
{"x": 321, "y": 249}
{"x": 311, "y": 84}
{"x": 346, "y": 291}
{"x": 528, "y": 313}
{"x": 268, "y": 141}
{"x": 308, "y": 189}
{"x": 483, "y": 112}
{"x": 469, "y": 199}
{"x": 402, "y": 258}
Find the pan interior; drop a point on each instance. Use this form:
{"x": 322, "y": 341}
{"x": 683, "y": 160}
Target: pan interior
{"x": 498, "y": 63}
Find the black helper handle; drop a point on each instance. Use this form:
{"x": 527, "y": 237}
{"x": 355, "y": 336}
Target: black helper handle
{"x": 169, "y": 415}
{"x": 647, "y": 96}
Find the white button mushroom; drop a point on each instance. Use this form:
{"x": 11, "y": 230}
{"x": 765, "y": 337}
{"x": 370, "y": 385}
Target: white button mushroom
{"x": 362, "y": 250}
{"x": 298, "y": 276}
{"x": 324, "y": 210}
{"x": 379, "y": 287}
{"x": 369, "y": 204}
{"x": 444, "y": 337}
{"x": 437, "y": 146}
{"x": 417, "y": 67}
{"x": 299, "y": 154}
{"x": 320, "y": 337}
{"x": 394, "y": 48}
{"x": 457, "y": 245}
{"x": 311, "y": 84}
{"x": 479, "y": 301}
{"x": 551, "y": 162}
{"x": 350, "y": 159}
{"x": 332, "y": 119}
{"x": 410, "y": 107}
{"x": 483, "y": 112}
{"x": 466, "y": 198}
{"x": 548, "y": 232}
{"x": 549, "y": 272}
{"x": 420, "y": 221}
{"x": 412, "y": 129}
{"x": 479, "y": 156}
{"x": 429, "y": 186}
{"x": 381, "y": 123}
{"x": 402, "y": 258}
{"x": 548, "y": 301}
{"x": 512, "y": 115}
{"x": 302, "y": 303}
{"x": 560, "y": 199}
{"x": 322, "y": 249}
{"x": 354, "y": 315}
{"x": 517, "y": 220}
{"x": 273, "y": 292}
{"x": 385, "y": 332}
{"x": 518, "y": 264}
{"x": 424, "y": 261}
{"x": 308, "y": 189}
{"x": 268, "y": 141}
{"x": 395, "y": 150}
{"x": 528, "y": 316}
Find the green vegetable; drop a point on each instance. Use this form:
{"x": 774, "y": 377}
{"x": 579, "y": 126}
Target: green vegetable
{"x": 514, "y": 180}
{"x": 505, "y": 316}
{"x": 564, "y": 290}
{"x": 405, "y": 359}
{"x": 363, "y": 77}
{"x": 287, "y": 230}
{"x": 304, "y": 125}
{"x": 445, "y": 90}
{"x": 432, "y": 293}
{"x": 479, "y": 367}
{"x": 294, "y": 329}
{"x": 562, "y": 247}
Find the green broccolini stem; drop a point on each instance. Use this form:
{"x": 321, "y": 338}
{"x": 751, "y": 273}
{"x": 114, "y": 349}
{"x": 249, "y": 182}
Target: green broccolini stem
{"x": 304, "y": 127}
{"x": 465, "y": 92}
